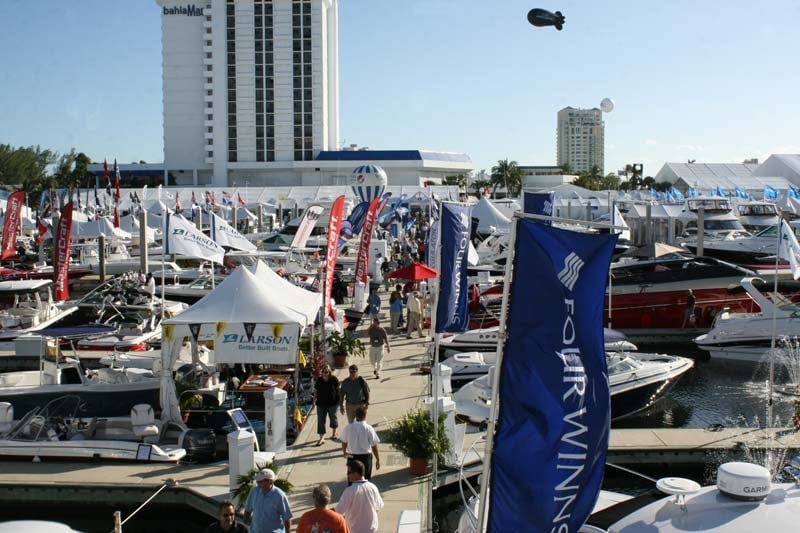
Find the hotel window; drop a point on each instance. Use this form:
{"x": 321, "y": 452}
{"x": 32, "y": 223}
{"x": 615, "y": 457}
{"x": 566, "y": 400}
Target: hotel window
{"x": 231, "y": 69}
{"x": 264, "y": 83}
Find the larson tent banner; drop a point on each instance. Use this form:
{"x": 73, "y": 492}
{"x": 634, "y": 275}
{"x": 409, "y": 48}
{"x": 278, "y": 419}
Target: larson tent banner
{"x": 248, "y": 323}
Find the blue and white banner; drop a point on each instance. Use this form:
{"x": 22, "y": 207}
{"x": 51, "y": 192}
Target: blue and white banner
{"x": 226, "y": 235}
{"x": 181, "y": 237}
{"x": 452, "y": 314}
{"x": 554, "y": 404}
{"x": 538, "y": 203}
{"x": 357, "y": 217}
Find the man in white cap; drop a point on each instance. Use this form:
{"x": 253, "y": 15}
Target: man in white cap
{"x": 268, "y": 506}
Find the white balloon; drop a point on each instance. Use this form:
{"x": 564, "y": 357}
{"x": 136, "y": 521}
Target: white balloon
{"x": 607, "y": 105}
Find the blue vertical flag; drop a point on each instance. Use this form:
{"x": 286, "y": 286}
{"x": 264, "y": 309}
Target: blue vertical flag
{"x": 452, "y": 314}
{"x": 357, "y": 217}
{"x": 770, "y": 193}
{"x": 539, "y": 203}
{"x": 676, "y": 194}
{"x": 554, "y": 417}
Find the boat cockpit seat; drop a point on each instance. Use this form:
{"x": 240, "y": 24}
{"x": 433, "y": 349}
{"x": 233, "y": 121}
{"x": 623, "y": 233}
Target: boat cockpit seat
{"x": 143, "y": 421}
{"x": 6, "y": 417}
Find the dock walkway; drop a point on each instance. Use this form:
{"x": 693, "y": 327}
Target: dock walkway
{"x": 401, "y": 388}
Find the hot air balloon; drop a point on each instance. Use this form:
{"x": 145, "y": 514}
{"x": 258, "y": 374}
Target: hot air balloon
{"x": 368, "y": 182}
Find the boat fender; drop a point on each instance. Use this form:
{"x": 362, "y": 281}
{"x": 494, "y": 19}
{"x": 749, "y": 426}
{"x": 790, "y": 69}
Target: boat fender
{"x": 743, "y": 481}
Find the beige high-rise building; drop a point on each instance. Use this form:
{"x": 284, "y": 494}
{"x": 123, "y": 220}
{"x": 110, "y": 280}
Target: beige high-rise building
{"x": 251, "y": 88}
{"x": 581, "y": 139}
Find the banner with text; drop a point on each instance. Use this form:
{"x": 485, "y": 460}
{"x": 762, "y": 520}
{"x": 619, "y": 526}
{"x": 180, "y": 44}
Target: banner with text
{"x": 362, "y": 261}
{"x": 63, "y": 244}
{"x": 274, "y": 344}
{"x": 181, "y": 237}
{"x": 307, "y": 223}
{"x": 11, "y": 224}
{"x": 554, "y": 405}
{"x": 452, "y": 313}
{"x": 334, "y": 227}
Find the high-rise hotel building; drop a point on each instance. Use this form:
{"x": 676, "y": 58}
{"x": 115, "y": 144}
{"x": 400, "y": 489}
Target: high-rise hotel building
{"x": 250, "y": 89}
{"x": 581, "y": 139}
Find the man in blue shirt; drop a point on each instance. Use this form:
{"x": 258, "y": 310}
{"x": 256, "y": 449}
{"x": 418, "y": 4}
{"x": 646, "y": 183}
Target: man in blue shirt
{"x": 268, "y": 506}
{"x": 374, "y": 304}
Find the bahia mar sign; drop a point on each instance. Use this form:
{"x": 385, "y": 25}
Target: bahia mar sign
{"x": 190, "y": 10}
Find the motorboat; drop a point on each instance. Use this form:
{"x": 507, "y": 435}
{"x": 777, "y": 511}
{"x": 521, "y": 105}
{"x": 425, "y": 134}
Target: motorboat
{"x": 29, "y": 306}
{"x": 40, "y": 271}
{"x": 753, "y": 249}
{"x": 636, "y": 381}
{"x": 744, "y": 499}
{"x": 485, "y": 340}
{"x": 106, "y": 391}
{"x": 63, "y": 428}
{"x": 137, "y": 315}
{"x": 673, "y": 297}
{"x": 191, "y": 292}
{"x": 749, "y": 336}
{"x": 468, "y": 520}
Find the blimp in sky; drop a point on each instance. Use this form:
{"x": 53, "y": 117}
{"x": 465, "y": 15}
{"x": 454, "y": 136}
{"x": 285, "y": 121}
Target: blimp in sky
{"x": 368, "y": 182}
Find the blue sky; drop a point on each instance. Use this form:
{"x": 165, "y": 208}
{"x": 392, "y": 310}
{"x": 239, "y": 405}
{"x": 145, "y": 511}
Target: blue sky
{"x": 710, "y": 80}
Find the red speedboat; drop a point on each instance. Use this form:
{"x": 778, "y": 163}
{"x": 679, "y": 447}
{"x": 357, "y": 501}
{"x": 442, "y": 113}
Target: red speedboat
{"x": 676, "y": 298}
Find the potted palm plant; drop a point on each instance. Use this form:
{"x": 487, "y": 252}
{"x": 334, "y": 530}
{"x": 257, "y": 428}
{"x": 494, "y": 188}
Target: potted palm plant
{"x": 413, "y": 436}
{"x": 344, "y": 344}
{"x": 245, "y": 482}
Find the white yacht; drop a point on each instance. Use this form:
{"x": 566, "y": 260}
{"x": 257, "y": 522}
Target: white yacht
{"x": 749, "y": 336}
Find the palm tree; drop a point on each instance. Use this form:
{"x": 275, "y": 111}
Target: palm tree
{"x": 508, "y": 174}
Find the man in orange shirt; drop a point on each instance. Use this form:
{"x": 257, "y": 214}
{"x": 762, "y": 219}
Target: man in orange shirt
{"x": 320, "y": 518}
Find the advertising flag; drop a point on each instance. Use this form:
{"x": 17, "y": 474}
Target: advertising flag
{"x": 63, "y": 243}
{"x": 307, "y": 223}
{"x": 539, "y": 203}
{"x": 334, "y": 226}
{"x": 357, "y": 217}
{"x": 11, "y": 224}
{"x": 183, "y": 238}
{"x": 452, "y": 313}
{"x": 362, "y": 261}
{"x": 225, "y": 235}
{"x": 554, "y": 403}
{"x": 117, "y": 194}
{"x": 790, "y": 249}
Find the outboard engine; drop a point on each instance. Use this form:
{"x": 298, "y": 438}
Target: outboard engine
{"x": 200, "y": 445}
{"x": 744, "y": 481}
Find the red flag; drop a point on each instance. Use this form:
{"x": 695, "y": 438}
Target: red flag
{"x": 63, "y": 242}
{"x": 117, "y": 195}
{"x": 241, "y": 200}
{"x": 334, "y": 227}
{"x": 177, "y": 203}
{"x": 105, "y": 169}
{"x": 11, "y": 224}
{"x": 362, "y": 266}
{"x": 116, "y": 215}
{"x": 42, "y": 231}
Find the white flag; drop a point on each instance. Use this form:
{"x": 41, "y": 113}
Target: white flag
{"x": 790, "y": 249}
{"x": 618, "y": 220}
{"x": 225, "y": 235}
{"x": 181, "y": 237}
{"x": 307, "y": 224}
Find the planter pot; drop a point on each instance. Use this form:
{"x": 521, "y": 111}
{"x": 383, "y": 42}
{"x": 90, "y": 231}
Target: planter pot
{"x": 418, "y": 467}
{"x": 340, "y": 360}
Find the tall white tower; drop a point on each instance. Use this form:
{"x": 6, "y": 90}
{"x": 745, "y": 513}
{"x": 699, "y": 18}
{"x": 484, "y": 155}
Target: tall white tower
{"x": 250, "y": 87}
{"x": 581, "y": 139}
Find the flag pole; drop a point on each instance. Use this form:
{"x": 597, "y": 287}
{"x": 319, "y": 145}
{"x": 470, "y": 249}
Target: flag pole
{"x": 501, "y": 334}
{"x": 781, "y": 224}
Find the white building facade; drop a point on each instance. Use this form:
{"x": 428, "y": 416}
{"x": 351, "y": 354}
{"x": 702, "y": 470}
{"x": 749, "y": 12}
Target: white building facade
{"x": 250, "y": 88}
{"x": 581, "y": 139}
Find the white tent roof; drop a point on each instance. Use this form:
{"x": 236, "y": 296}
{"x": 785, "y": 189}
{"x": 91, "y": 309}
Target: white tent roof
{"x": 94, "y": 228}
{"x": 489, "y": 216}
{"x": 293, "y": 297}
{"x": 242, "y": 297}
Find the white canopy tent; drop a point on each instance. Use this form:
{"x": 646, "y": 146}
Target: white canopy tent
{"x": 247, "y": 321}
{"x": 491, "y": 220}
{"x": 293, "y": 297}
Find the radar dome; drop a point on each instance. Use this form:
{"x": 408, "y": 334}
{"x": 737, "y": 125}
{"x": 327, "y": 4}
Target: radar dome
{"x": 368, "y": 182}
